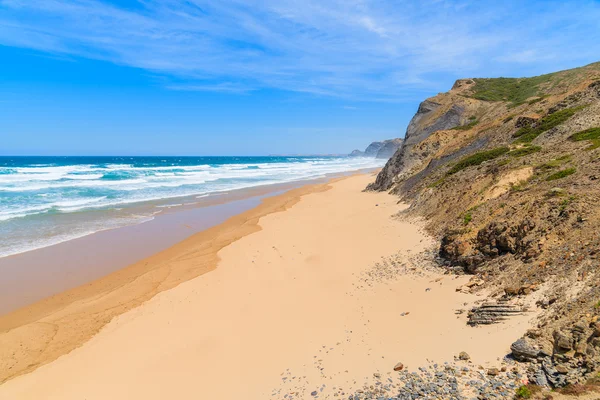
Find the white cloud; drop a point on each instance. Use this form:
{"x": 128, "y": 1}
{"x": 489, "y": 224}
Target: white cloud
{"x": 380, "y": 50}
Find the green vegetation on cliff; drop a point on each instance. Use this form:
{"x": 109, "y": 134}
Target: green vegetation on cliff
{"x": 467, "y": 126}
{"x": 524, "y": 151}
{"x": 478, "y": 158}
{"x": 528, "y": 133}
{"x": 513, "y": 90}
{"x": 592, "y": 134}
{"x": 561, "y": 174}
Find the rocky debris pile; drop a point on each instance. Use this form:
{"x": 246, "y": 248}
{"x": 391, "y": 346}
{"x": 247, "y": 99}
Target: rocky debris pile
{"x": 573, "y": 357}
{"x": 401, "y": 263}
{"x": 492, "y": 313}
{"x": 493, "y": 240}
{"x": 447, "y": 381}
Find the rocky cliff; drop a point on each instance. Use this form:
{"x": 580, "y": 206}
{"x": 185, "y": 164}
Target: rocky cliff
{"x": 507, "y": 173}
{"x": 389, "y": 148}
{"x": 383, "y": 150}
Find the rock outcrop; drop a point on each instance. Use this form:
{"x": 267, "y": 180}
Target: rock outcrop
{"x": 384, "y": 149}
{"x": 441, "y": 113}
{"x": 507, "y": 174}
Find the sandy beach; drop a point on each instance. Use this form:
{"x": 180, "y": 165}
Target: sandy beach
{"x": 309, "y": 292}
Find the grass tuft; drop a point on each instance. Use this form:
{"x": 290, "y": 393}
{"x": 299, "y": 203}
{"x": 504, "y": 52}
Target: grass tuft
{"x": 561, "y": 174}
{"x": 524, "y": 151}
{"x": 478, "y": 158}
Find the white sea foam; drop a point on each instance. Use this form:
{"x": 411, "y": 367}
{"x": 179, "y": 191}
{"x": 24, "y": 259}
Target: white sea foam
{"x": 46, "y": 192}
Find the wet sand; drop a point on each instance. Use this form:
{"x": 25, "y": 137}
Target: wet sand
{"x": 37, "y": 274}
{"x": 286, "y": 297}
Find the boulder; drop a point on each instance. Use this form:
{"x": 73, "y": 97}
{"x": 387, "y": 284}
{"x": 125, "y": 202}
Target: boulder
{"x": 464, "y": 356}
{"x": 524, "y": 350}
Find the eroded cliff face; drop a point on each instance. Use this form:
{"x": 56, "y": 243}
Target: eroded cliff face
{"x": 507, "y": 174}
{"x": 437, "y": 114}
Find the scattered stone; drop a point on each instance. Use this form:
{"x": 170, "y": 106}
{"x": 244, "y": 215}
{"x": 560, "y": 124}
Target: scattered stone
{"x": 448, "y": 382}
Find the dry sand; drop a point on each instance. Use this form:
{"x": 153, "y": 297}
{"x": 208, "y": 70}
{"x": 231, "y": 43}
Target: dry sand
{"x": 286, "y": 310}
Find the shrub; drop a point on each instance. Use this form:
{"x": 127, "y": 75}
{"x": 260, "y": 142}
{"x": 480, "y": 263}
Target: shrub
{"x": 588, "y": 134}
{"x": 527, "y": 134}
{"x": 478, "y": 158}
{"x": 561, "y": 174}
{"x": 592, "y": 134}
{"x": 524, "y": 151}
{"x": 524, "y": 393}
{"x": 467, "y": 218}
{"x": 527, "y": 391}
{"x": 557, "y": 162}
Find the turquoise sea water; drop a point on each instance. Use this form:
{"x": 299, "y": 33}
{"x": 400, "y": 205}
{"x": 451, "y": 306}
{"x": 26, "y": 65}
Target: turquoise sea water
{"x": 47, "y": 200}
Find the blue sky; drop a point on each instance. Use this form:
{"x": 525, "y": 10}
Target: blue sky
{"x": 233, "y": 77}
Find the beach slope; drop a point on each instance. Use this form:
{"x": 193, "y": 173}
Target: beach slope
{"x": 316, "y": 298}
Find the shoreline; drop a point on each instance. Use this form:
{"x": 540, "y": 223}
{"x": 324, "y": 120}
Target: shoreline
{"x": 110, "y": 295}
{"x": 39, "y": 273}
{"x": 322, "y": 251}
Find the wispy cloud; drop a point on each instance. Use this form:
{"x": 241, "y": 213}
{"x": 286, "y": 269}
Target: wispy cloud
{"x": 381, "y": 50}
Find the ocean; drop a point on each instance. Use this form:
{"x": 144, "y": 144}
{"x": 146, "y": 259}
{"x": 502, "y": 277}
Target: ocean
{"x": 48, "y": 200}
